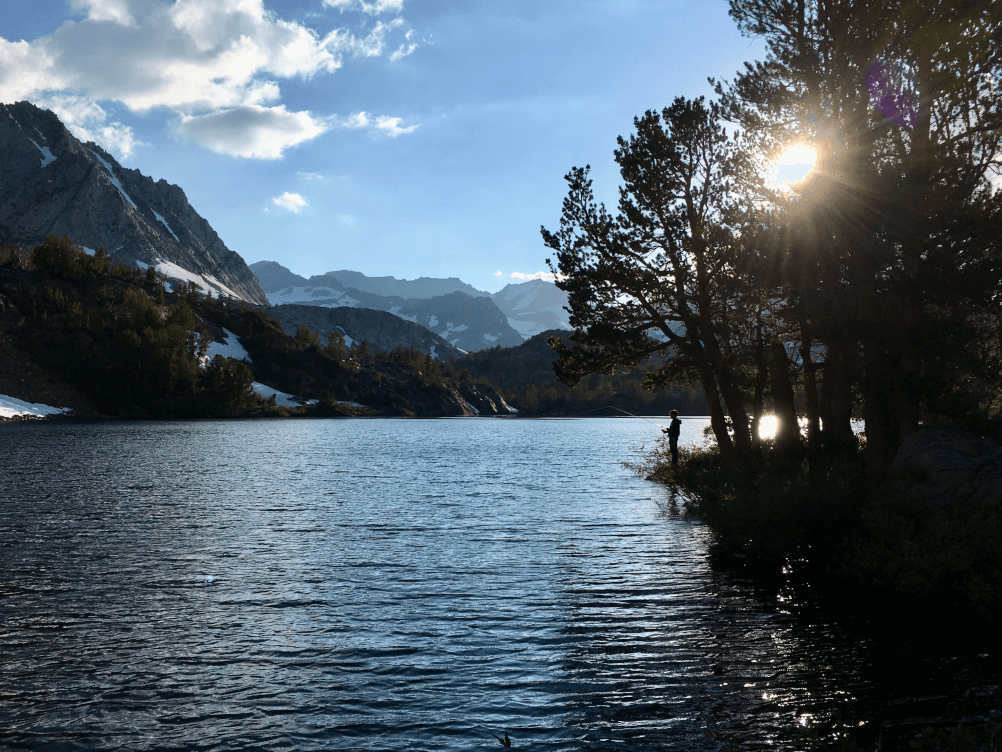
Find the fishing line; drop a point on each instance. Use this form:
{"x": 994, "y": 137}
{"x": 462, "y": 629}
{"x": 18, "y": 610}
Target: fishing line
{"x": 613, "y": 407}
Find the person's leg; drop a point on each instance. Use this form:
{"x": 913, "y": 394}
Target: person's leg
{"x": 673, "y": 445}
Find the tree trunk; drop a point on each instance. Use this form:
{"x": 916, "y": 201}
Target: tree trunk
{"x": 879, "y": 409}
{"x": 761, "y": 380}
{"x": 812, "y": 405}
{"x": 718, "y": 423}
{"x": 783, "y": 400}
{"x": 835, "y": 404}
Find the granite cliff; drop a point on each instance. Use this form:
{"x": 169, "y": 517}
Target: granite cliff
{"x": 52, "y": 184}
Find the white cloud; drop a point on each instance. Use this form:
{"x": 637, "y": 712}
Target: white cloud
{"x": 548, "y": 276}
{"x": 309, "y": 175}
{"x": 372, "y": 7}
{"x": 24, "y": 70}
{"x": 88, "y": 121}
{"x": 199, "y": 58}
{"x": 116, "y": 11}
{"x": 252, "y": 131}
{"x": 383, "y": 124}
{"x": 291, "y": 201}
{"x": 498, "y": 273}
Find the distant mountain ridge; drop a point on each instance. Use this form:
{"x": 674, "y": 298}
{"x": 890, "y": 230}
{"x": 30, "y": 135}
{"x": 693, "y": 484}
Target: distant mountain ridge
{"x": 52, "y": 184}
{"x": 420, "y": 288}
{"x": 469, "y": 322}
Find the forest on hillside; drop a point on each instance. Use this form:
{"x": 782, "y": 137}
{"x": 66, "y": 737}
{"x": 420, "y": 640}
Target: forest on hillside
{"x": 525, "y": 376}
{"x": 135, "y": 346}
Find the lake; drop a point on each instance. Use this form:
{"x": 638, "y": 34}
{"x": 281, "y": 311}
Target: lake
{"x": 407, "y": 584}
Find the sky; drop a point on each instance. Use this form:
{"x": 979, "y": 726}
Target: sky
{"x": 400, "y": 138}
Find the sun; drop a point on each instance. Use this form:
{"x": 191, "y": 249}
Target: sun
{"x": 798, "y": 154}
{"x": 792, "y": 166}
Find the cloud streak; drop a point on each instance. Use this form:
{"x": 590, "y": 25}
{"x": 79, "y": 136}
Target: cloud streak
{"x": 381, "y": 124}
{"x": 523, "y": 277}
{"x": 372, "y": 7}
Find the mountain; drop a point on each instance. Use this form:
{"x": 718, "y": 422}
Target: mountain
{"x": 380, "y": 329}
{"x": 467, "y": 322}
{"x": 533, "y": 307}
{"x": 104, "y": 339}
{"x": 51, "y": 184}
{"x": 423, "y": 287}
{"x": 274, "y": 276}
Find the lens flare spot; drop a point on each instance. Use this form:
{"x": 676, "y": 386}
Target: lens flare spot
{"x": 767, "y": 427}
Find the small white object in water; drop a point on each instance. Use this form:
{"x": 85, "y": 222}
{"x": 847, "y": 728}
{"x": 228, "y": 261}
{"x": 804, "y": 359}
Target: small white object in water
{"x": 209, "y": 578}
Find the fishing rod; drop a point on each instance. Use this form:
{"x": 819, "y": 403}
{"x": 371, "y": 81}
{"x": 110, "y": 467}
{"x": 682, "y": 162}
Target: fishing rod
{"x": 613, "y": 407}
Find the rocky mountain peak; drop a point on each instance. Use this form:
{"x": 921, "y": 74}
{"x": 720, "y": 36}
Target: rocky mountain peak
{"x": 52, "y": 184}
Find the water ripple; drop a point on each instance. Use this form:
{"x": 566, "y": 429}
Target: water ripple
{"x": 379, "y": 585}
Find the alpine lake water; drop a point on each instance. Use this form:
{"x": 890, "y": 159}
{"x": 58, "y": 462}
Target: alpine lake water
{"x": 413, "y": 585}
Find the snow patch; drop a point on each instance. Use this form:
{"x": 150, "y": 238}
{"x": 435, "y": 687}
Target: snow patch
{"x": 114, "y": 181}
{"x": 230, "y": 348}
{"x": 208, "y": 283}
{"x": 47, "y": 157}
{"x": 11, "y": 407}
{"x": 89, "y": 251}
{"x": 490, "y": 337}
{"x": 433, "y": 322}
{"x": 434, "y": 355}
{"x": 526, "y": 329}
{"x": 281, "y": 398}
{"x": 337, "y": 298}
{"x": 163, "y": 221}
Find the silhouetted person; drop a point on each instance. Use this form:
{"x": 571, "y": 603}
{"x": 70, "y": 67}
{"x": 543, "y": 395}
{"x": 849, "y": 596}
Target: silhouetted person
{"x": 673, "y": 430}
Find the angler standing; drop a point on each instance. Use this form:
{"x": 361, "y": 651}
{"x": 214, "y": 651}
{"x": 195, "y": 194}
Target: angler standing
{"x": 673, "y": 430}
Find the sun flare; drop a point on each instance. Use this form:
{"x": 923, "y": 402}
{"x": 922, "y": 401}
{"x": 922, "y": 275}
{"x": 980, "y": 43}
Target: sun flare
{"x": 767, "y": 426}
{"x": 792, "y": 166}
{"x": 798, "y": 154}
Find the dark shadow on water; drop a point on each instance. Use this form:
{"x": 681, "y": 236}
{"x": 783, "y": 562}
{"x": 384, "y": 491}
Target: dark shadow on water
{"x": 871, "y": 668}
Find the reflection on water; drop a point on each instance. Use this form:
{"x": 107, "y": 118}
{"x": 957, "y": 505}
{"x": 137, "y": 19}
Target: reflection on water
{"x": 393, "y": 584}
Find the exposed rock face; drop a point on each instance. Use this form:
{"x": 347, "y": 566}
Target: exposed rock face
{"x": 381, "y": 330}
{"x": 51, "y": 184}
{"x": 959, "y": 466}
{"x": 533, "y": 307}
{"x": 273, "y": 276}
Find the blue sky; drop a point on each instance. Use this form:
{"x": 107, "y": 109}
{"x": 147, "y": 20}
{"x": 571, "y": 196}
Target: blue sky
{"x": 392, "y": 137}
